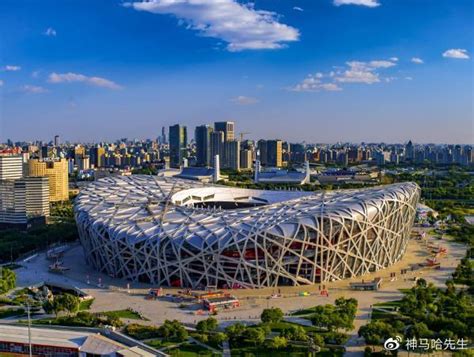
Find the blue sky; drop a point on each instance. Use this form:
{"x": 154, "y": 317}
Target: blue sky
{"x": 313, "y": 70}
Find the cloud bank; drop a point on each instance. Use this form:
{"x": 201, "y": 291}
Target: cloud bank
{"x": 240, "y": 25}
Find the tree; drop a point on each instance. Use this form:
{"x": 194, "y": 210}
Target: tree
{"x": 69, "y": 303}
{"x": 207, "y": 325}
{"x": 217, "y": 338}
{"x": 234, "y": 332}
{"x": 255, "y": 335}
{"x": 7, "y": 280}
{"x": 51, "y": 307}
{"x": 173, "y": 330}
{"x": 181, "y": 334}
{"x": 376, "y": 331}
{"x": 295, "y": 333}
{"x": 272, "y": 315}
{"x": 277, "y": 343}
{"x": 419, "y": 330}
{"x": 318, "y": 340}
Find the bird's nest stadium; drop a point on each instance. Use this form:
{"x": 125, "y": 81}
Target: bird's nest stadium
{"x": 175, "y": 232}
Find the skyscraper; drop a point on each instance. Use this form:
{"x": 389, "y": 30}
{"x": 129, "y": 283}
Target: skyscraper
{"x": 246, "y": 159}
{"x": 23, "y": 200}
{"x": 227, "y": 127}
{"x": 163, "y": 135}
{"x": 178, "y": 140}
{"x": 202, "y": 136}
{"x": 274, "y": 153}
{"x": 232, "y": 154}
{"x": 262, "y": 152}
{"x": 409, "y": 151}
{"x": 57, "y": 172}
{"x": 97, "y": 156}
{"x": 217, "y": 145}
{"x": 57, "y": 141}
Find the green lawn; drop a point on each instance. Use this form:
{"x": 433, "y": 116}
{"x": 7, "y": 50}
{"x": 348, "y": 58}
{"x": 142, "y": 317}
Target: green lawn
{"x": 124, "y": 314}
{"x": 159, "y": 343}
{"x": 280, "y": 326}
{"x": 307, "y": 311}
{"x": 381, "y": 315}
{"x": 190, "y": 350}
{"x": 391, "y": 304}
{"x": 11, "y": 312}
{"x": 297, "y": 351}
{"x": 85, "y": 304}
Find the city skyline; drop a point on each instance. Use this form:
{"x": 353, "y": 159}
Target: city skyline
{"x": 397, "y": 71}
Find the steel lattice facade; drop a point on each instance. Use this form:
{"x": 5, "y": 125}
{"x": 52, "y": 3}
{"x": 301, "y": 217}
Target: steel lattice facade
{"x": 147, "y": 228}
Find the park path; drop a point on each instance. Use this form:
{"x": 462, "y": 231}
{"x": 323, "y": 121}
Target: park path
{"x": 226, "y": 348}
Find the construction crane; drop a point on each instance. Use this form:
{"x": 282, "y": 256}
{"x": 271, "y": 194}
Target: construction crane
{"x": 242, "y": 136}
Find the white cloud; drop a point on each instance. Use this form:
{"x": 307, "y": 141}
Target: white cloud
{"x": 75, "y": 77}
{"x": 353, "y": 72}
{"x": 381, "y": 64}
{"x": 408, "y": 78}
{"x": 34, "y": 89}
{"x": 368, "y": 3}
{"x": 50, "y": 32}
{"x": 240, "y": 25}
{"x": 394, "y": 59}
{"x": 362, "y": 72}
{"x": 244, "y": 100}
{"x": 313, "y": 83}
{"x": 456, "y": 53}
{"x": 297, "y": 8}
{"x": 11, "y": 68}
{"x": 417, "y": 60}
{"x": 1, "y": 83}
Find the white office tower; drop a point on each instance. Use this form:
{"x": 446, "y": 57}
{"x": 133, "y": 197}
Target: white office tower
{"x": 217, "y": 169}
{"x": 257, "y": 171}
{"x": 23, "y": 200}
{"x": 307, "y": 170}
{"x": 11, "y": 167}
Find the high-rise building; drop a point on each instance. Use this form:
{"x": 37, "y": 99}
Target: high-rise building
{"x": 298, "y": 153}
{"x": 409, "y": 151}
{"x": 178, "y": 140}
{"x": 11, "y": 167}
{"x": 217, "y": 145}
{"x": 84, "y": 163}
{"x": 262, "y": 152}
{"x": 45, "y": 152}
{"x": 246, "y": 159}
{"x": 202, "y": 135}
{"x": 79, "y": 151}
{"x": 227, "y": 127}
{"x": 97, "y": 156}
{"x": 343, "y": 158}
{"x": 232, "y": 154}
{"x": 163, "y": 135}
{"x": 24, "y": 200}
{"x": 274, "y": 153}
{"x": 57, "y": 172}
{"x": 57, "y": 141}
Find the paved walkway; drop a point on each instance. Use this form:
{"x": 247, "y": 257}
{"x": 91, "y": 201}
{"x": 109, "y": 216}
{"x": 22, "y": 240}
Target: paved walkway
{"x": 226, "y": 348}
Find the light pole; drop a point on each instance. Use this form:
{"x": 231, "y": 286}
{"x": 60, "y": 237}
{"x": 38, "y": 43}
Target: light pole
{"x": 29, "y": 328}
